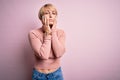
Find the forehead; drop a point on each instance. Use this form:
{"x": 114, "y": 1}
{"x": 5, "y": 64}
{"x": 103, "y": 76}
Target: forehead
{"x": 49, "y": 9}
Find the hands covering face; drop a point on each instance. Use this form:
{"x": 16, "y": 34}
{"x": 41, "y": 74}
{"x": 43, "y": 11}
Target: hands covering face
{"x": 48, "y": 24}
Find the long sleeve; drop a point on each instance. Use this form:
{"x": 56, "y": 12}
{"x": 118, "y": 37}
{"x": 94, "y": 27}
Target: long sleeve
{"x": 41, "y": 49}
{"x": 58, "y": 43}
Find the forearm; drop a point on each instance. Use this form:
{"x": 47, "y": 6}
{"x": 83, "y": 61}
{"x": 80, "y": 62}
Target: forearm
{"x": 41, "y": 49}
{"x": 45, "y": 48}
{"x": 58, "y": 45}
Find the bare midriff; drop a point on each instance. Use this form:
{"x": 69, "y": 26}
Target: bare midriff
{"x": 47, "y": 66}
{"x": 46, "y": 71}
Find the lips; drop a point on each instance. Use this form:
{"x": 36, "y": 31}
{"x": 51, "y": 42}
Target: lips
{"x": 50, "y": 20}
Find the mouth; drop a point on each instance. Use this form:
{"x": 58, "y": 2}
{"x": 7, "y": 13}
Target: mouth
{"x": 50, "y": 25}
{"x": 50, "y": 20}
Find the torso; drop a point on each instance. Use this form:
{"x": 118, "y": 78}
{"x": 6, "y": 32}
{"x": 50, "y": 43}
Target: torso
{"x": 41, "y": 65}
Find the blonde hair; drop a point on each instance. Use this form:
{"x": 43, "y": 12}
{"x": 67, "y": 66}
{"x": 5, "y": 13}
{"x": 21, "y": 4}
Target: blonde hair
{"x": 43, "y": 8}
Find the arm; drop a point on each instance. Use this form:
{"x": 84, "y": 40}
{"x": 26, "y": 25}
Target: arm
{"x": 42, "y": 50}
{"x": 58, "y": 44}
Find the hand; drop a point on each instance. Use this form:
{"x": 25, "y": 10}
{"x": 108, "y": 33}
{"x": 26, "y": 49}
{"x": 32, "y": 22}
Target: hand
{"x": 46, "y": 26}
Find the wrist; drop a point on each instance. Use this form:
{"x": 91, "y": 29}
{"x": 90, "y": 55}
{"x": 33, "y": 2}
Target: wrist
{"x": 48, "y": 33}
{"x": 47, "y": 36}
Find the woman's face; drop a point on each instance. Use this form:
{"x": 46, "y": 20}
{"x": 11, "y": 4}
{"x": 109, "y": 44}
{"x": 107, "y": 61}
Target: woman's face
{"x": 50, "y": 15}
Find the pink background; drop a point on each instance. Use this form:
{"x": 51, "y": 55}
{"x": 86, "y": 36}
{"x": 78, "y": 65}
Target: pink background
{"x": 92, "y": 38}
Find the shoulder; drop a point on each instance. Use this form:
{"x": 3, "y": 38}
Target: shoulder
{"x": 61, "y": 31}
{"x": 35, "y": 32}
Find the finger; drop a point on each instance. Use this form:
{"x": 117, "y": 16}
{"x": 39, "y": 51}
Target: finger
{"x": 44, "y": 20}
{"x": 47, "y": 22}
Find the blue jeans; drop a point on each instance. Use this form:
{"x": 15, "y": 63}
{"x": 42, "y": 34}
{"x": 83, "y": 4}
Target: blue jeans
{"x": 56, "y": 75}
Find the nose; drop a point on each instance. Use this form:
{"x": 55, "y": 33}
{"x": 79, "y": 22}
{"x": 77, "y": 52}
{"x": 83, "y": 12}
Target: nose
{"x": 50, "y": 15}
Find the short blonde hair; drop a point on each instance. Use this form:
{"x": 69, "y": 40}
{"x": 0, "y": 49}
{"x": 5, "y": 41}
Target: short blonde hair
{"x": 43, "y": 8}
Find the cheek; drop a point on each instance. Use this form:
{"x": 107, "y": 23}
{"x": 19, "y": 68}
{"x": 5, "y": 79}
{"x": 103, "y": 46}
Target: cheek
{"x": 47, "y": 16}
{"x": 54, "y": 17}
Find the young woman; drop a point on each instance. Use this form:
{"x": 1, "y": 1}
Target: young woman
{"x": 48, "y": 44}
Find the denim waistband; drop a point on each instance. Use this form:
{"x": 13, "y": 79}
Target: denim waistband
{"x": 41, "y": 74}
{"x": 56, "y": 75}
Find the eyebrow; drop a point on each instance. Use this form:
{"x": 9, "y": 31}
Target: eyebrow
{"x": 50, "y": 10}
